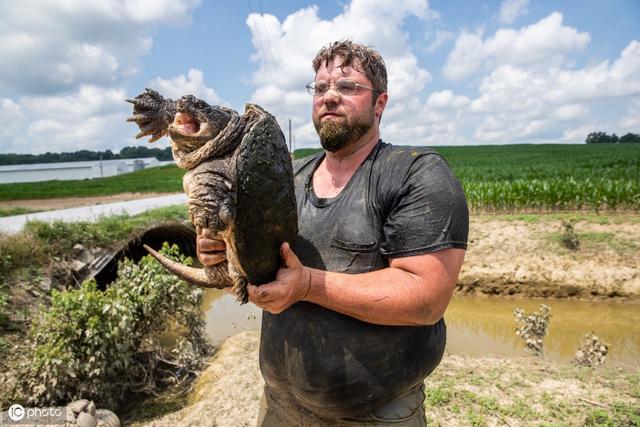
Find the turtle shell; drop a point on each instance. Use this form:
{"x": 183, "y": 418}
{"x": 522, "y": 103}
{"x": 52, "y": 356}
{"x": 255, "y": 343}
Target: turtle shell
{"x": 266, "y": 213}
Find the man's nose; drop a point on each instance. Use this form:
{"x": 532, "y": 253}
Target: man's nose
{"x": 332, "y": 96}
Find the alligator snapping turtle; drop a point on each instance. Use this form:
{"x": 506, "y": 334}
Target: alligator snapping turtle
{"x": 239, "y": 184}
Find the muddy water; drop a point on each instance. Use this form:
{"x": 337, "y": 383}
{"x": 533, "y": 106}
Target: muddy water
{"x": 485, "y": 326}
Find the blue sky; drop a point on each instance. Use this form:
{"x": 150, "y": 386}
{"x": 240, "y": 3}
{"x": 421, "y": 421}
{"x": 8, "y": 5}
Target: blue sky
{"x": 461, "y": 72}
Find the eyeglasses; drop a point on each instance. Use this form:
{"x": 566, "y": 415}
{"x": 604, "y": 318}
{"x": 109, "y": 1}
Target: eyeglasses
{"x": 343, "y": 87}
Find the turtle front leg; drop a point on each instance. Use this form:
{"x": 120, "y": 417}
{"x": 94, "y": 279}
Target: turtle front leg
{"x": 152, "y": 113}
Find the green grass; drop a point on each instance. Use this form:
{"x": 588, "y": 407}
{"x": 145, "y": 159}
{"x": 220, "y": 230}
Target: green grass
{"x": 16, "y": 211}
{"x": 529, "y": 391}
{"x": 164, "y": 179}
{"x": 596, "y": 241}
{"x": 40, "y": 241}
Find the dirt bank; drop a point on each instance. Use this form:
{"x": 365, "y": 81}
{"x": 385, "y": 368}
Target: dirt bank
{"x": 524, "y": 256}
{"x": 462, "y": 391}
{"x": 519, "y": 255}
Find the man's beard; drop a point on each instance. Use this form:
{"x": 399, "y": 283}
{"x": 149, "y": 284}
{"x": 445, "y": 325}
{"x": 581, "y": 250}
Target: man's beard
{"x": 337, "y": 135}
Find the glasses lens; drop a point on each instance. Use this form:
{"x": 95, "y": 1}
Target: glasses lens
{"x": 347, "y": 87}
{"x": 311, "y": 88}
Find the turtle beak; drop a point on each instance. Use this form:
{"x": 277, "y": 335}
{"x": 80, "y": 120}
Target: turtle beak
{"x": 208, "y": 277}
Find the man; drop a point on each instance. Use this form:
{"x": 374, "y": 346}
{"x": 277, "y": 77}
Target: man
{"x": 352, "y": 323}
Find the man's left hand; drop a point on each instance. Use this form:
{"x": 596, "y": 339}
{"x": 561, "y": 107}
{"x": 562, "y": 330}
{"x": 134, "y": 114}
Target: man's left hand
{"x": 291, "y": 285}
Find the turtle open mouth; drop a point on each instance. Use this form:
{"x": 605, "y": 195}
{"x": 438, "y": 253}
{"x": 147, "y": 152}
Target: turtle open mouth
{"x": 186, "y": 124}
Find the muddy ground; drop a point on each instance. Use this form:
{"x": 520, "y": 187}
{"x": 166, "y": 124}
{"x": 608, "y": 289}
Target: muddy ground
{"x": 519, "y": 255}
{"x": 524, "y": 256}
{"x": 463, "y": 391}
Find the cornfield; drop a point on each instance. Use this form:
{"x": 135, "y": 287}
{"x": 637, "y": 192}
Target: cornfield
{"x": 548, "y": 177}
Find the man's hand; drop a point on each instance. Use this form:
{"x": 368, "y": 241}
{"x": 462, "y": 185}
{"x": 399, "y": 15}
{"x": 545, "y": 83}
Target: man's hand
{"x": 210, "y": 248}
{"x": 291, "y": 285}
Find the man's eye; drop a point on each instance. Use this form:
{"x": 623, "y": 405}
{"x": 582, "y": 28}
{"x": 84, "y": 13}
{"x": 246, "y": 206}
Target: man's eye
{"x": 321, "y": 88}
{"x": 346, "y": 85}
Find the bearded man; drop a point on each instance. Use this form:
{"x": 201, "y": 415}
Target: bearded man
{"x": 353, "y": 322}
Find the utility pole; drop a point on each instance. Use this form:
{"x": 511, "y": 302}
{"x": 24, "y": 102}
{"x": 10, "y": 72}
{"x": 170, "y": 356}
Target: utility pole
{"x": 290, "y": 143}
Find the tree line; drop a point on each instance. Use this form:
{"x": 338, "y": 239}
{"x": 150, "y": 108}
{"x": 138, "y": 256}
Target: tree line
{"x": 84, "y": 155}
{"x": 604, "y": 138}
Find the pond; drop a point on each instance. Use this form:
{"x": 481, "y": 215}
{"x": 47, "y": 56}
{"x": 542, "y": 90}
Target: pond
{"x": 486, "y": 326}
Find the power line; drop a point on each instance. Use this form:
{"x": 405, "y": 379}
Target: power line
{"x": 266, "y": 48}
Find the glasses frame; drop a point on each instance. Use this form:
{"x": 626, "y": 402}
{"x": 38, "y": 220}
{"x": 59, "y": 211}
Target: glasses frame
{"x": 311, "y": 88}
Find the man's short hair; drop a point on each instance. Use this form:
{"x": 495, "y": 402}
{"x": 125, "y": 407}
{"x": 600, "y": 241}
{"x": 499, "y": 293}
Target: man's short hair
{"x": 361, "y": 58}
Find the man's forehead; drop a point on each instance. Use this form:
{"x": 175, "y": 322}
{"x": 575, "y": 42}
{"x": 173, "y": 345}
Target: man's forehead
{"x": 335, "y": 66}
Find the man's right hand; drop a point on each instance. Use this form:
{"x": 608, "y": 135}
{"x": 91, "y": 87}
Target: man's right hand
{"x": 210, "y": 248}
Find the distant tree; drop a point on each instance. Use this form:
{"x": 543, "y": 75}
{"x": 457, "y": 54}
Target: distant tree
{"x": 602, "y": 138}
{"x": 85, "y": 155}
{"x": 630, "y": 138}
{"x": 596, "y": 138}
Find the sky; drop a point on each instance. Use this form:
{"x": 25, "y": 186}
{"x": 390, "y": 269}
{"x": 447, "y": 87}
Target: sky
{"x": 460, "y": 72}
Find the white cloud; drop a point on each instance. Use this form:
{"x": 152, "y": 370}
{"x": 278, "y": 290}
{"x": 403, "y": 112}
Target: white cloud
{"x": 534, "y": 104}
{"x": 92, "y": 118}
{"x": 191, "y": 84}
{"x": 58, "y": 46}
{"x": 543, "y": 44}
{"x": 579, "y": 135}
{"x": 446, "y": 99}
{"x": 510, "y": 10}
{"x": 631, "y": 122}
{"x": 64, "y": 66}
{"x": 439, "y": 39}
{"x": 284, "y": 51}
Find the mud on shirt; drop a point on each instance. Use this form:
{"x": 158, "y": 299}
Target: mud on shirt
{"x": 401, "y": 201}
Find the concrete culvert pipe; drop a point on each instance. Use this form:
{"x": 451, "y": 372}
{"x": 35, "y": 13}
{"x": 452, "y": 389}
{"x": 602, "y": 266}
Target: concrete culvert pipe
{"x": 181, "y": 234}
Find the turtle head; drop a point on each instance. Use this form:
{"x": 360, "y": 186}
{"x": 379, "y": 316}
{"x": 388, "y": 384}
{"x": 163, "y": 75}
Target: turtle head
{"x": 196, "y": 122}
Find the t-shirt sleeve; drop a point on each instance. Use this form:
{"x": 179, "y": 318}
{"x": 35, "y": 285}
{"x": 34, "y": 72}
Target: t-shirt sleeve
{"x": 428, "y": 213}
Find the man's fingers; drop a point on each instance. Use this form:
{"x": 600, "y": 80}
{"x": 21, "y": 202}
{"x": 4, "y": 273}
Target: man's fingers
{"x": 290, "y": 259}
{"x": 263, "y": 294}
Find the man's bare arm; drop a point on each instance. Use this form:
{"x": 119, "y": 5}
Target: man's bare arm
{"x": 414, "y": 290}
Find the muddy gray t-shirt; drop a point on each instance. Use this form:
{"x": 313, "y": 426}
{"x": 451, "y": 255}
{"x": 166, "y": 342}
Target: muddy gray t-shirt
{"x": 400, "y": 202}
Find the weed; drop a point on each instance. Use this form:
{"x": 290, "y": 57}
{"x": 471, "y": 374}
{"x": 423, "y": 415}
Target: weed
{"x": 475, "y": 419}
{"x": 570, "y": 238}
{"x": 4, "y": 311}
{"x": 438, "y": 396}
{"x": 532, "y": 328}
{"x": 592, "y": 352}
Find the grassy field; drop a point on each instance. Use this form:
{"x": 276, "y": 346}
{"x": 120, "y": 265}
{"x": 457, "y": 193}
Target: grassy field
{"x": 164, "y": 179}
{"x": 504, "y": 178}
{"x": 545, "y": 177}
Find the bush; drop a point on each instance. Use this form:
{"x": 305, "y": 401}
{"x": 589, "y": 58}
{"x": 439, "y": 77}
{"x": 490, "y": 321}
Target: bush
{"x": 532, "y": 328}
{"x": 100, "y": 345}
{"x": 4, "y": 313}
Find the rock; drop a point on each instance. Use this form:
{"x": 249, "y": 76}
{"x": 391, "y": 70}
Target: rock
{"x": 91, "y": 409}
{"x": 78, "y": 406}
{"x": 71, "y": 416}
{"x": 86, "y": 420}
{"x": 45, "y": 284}
{"x": 78, "y": 266}
{"x": 107, "y": 418}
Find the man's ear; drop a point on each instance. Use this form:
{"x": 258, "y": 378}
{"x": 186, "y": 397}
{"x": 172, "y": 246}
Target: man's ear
{"x": 381, "y": 103}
